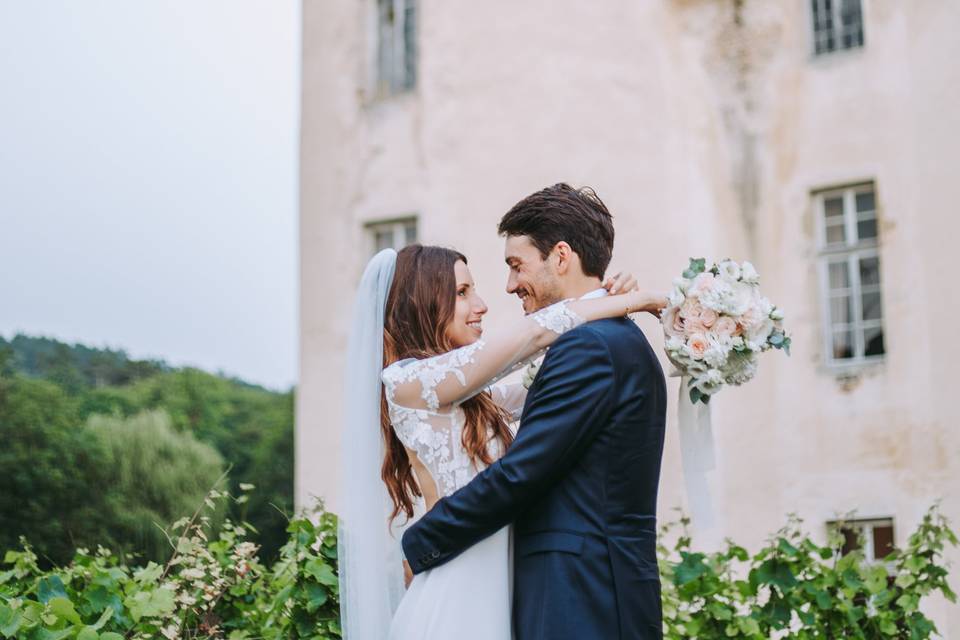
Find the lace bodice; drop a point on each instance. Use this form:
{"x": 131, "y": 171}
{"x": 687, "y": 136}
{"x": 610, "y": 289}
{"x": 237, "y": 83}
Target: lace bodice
{"x": 424, "y": 396}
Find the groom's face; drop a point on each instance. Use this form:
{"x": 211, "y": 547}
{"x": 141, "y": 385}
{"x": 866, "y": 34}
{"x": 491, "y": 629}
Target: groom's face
{"x": 532, "y": 278}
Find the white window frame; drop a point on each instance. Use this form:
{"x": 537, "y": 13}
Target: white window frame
{"x": 866, "y": 528}
{"x": 835, "y": 14}
{"x": 395, "y": 80}
{"x": 397, "y": 226}
{"x": 851, "y": 251}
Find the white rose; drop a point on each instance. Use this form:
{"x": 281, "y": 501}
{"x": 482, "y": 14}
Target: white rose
{"x": 676, "y": 297}
{"x": 703, "y": 283}
{"x": 749, "y": 273}
{"x": 716, "y": 296}
{"x": 741, "y": 298}
{"x": 729, "y": 270}
{"x": 766, "y": 307}
{"x": 716, "y": 355}
{"x": 761, "y": 332}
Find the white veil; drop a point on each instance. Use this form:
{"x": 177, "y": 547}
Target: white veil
{"x": 370, "y": 558}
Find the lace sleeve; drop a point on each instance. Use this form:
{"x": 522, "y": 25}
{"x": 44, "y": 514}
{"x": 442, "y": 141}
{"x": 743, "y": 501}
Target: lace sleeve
{"x": 510, "y": 398}
{"x": 442, "y": 381}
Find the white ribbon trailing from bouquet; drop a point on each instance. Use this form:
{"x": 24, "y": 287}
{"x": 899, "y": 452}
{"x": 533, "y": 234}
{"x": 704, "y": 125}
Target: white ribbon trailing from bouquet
{"x": 697, "y": 452}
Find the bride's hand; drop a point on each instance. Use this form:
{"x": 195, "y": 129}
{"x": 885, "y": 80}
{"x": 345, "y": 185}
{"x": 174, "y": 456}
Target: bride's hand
{"x": 652, "y": 303}
{"x": 620, "y": 283}
{"x": 407, "y": 574}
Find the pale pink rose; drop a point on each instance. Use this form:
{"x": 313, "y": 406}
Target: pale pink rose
{"x": 697, "y": 345}
{"x": 690, "y": 309}
{"x": 672, "y": 322}
{"x": 692, "y": 326}
{"x": 702, "y": 283}
{"x": 708, "y": 317}
{"x": 726, "y": 326}
{"x": 750, "y": 318}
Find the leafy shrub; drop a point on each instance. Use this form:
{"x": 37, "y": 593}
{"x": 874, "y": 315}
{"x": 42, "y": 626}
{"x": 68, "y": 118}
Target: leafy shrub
{"x": 210, "y": 588}
{"x": 218, "y": 588}
{"x": 795, "y": 588}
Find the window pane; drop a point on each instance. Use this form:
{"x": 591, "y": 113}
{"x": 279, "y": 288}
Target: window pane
{"x": 833, "y": 208}
{"x": 410, "y": 44}
{"x": 410, "y": 232}
{"x": 836, "y": 234}
{"x": 851, "y": 539}
{"x": 385, "y": 29}
{"x": 823, "y": 25}
{"x": 865, "y": 202}
{"x": 882, "y": 540}
{"x": 842, "y": 344}
{"x": 817, "y": 15}
{"x": 852, "y": 23}
{"x": 871, "y": 305}
{"x": 867, "y": 229}
{"x": 841, "y": 310}
{"x": 869, "y": 271}
{"x": 839, "y": 275}
{"x": 383, "y": 238}
{"x": 873, "y": 342}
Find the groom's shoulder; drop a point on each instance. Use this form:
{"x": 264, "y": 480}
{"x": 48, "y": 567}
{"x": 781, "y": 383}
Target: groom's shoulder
{"x": 614, "y": 330}
{"x": 611, "y": 332}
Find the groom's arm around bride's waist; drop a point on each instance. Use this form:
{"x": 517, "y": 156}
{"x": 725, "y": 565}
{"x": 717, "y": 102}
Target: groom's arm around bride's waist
{"x": 568, "y": 405}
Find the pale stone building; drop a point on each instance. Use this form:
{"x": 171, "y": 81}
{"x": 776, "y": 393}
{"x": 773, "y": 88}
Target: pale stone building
{"x": 815, "y": 138}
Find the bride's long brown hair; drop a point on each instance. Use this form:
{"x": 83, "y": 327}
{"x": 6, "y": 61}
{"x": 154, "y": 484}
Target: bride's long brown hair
{"x": 419, "y": 309}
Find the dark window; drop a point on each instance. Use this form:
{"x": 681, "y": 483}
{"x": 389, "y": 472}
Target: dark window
{"x": 837, "y": 25}
{"x": 873, "y": 537}
{"x": 395, "y": 234}
{"x": 396, "y": 46}
{"x": 849, "y": 253}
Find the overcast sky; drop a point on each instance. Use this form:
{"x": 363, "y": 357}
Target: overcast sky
{"x": 148, "y": 178}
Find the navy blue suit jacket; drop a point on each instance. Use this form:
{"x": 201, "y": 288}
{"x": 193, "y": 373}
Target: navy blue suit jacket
{"x": 580, "y": 484}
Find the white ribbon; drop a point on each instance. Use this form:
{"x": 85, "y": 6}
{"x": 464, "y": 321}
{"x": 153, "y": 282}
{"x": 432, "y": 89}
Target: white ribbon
{"x": 696, "y": 450}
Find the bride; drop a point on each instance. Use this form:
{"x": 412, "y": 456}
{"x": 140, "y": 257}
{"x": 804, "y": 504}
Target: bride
{"x": 437, "y": 419}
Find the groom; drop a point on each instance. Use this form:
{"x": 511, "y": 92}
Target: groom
{"x": 580, "y": 480}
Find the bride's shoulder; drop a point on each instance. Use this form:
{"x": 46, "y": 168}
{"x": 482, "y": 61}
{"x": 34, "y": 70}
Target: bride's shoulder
{"x": 399, "y": 372}
{"x": 398, "y": 367}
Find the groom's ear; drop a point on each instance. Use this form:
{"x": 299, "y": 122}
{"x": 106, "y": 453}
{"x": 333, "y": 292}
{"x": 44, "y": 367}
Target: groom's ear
{"x": 565, "y": 255}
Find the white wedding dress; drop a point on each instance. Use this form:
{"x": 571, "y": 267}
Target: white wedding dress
{"x": 469, "y": 597}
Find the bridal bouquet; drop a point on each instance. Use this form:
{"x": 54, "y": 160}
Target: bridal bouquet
{"x": 716, "y": 323}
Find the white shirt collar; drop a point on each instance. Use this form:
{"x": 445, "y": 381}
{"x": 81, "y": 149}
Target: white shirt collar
{"x": 596, "y": 293}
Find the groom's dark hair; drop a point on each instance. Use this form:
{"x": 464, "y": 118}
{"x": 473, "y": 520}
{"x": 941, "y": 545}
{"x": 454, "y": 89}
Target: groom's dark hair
{"x": 562, "y": 213}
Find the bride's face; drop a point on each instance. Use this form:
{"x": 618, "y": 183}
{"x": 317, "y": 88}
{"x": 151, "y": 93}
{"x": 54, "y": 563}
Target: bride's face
{"x": 465, "y": 326}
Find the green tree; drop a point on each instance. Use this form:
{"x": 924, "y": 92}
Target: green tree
{"x": 52, "y": 473}
{"x": 251, "y": 427}
{"x": 154, "y": 475}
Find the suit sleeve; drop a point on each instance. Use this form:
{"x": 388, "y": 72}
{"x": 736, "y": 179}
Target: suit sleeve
{"x": 570, "y": 403}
